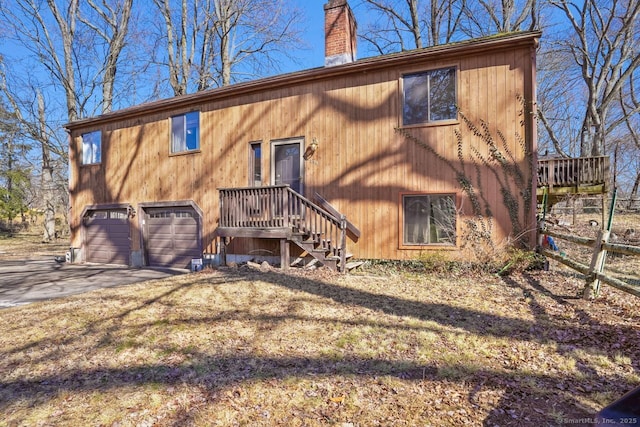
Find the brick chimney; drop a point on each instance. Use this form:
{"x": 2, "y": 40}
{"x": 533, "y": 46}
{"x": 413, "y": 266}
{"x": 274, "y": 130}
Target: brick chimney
{"x": 339, "y": 33}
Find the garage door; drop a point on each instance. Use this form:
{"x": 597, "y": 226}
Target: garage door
{"x": 107, "y": 234}
{"x": 172, "y": 236}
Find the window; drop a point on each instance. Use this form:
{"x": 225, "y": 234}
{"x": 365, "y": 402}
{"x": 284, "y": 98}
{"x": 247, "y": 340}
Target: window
{"x": 255, "y": 165}
{"x": 184, "y": 214}
{"x": 91, "y": 147}
{"x": 429, "y": 96}
{"x": 185, "y": 132}
{"x": 118, "y": 214}
{"x": 429, "y": 219}
{"x": 160, "y": 214}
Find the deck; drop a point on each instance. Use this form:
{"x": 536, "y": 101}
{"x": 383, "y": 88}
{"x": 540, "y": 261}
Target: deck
{"x": 558, "y": 177}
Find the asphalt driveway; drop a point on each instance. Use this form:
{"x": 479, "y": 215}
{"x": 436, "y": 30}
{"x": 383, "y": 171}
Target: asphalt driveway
{"x": 27, "y": 281}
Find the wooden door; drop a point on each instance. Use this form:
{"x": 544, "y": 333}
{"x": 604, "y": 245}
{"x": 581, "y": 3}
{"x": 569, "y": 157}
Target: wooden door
{"x": 287, "y": 164}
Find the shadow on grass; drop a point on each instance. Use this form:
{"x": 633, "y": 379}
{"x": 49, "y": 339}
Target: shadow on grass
{"x": 527, "y": 398}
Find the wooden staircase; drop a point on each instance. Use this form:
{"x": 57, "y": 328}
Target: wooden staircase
{"x": 319, "y": 249}
{"x": 278, "y": 212}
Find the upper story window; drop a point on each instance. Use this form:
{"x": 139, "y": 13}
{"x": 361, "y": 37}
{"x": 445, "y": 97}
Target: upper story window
{"x": 429, "y": 96}
{"x": 185, "y": 132}
{"x": 91, "y": 147}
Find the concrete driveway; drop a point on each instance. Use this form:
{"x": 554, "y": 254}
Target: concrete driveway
{"x": 26, "y": 281}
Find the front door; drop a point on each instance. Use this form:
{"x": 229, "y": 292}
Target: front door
{"x": 287, "y": 164}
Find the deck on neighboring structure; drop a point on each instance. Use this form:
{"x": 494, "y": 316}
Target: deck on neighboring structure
{"x": 558, "y": 177}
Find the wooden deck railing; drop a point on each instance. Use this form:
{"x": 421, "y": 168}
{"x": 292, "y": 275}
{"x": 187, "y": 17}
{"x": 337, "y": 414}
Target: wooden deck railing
{"x": 279, "y": 212}
{"x": 573, "y": 172}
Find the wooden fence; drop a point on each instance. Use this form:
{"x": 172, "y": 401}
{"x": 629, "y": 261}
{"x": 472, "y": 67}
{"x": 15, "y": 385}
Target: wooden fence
{"x": 594, "y": 272}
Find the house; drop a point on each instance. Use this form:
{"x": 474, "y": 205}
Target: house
{"x": 386, "y": 157}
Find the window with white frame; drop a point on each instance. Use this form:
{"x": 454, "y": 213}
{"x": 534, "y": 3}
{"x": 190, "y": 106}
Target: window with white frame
{"x": 429, "y": 219}
{"x": 185, "y": 132}
{"x": 91, "y": 147}
{"x": 429, "y": 96}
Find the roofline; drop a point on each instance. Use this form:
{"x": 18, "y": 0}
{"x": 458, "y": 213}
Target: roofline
{"x": 366, "y": 64}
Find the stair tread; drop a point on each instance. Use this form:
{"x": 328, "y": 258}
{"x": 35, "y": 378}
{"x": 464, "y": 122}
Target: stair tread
{"x": 347, "y": 256}
{"x": 353, "y": 264}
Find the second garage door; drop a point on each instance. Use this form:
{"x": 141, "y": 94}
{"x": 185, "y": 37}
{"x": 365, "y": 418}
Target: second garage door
{"x": 172, "y": 236}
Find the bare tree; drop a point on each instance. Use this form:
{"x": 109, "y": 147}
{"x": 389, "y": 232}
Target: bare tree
{"x": 250, "y": 34}
{"x": 47, "y": 174}
{"x": 115, "y": 16}
{"x": 557, "y": 98}
{"x": 48, "y": 39}
{"x": 604, "y": 45}
{"x": 211, "y": 43}
{"x": 33, "y": 126}
{"x": 61, "y": 44}
{"x": 14, "y": 172}
{"x": 500, "y": 16}
{"x": 629, "y": 103}
{"x": 187, "y": 30}
{"x": 399, "y": 25}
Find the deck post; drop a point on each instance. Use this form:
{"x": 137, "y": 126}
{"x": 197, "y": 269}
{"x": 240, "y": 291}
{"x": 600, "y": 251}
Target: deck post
{"x": 284, "y": 254}
{"x": 223, "y": 251}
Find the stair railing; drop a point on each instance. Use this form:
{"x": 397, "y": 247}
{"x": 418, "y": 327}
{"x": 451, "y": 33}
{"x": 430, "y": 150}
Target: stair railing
{"x": 281, "y": 207}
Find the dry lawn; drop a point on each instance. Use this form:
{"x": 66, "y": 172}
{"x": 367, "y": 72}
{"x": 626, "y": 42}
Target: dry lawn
{"x": 261, "y": 348}
{"x": 30, "y": 245}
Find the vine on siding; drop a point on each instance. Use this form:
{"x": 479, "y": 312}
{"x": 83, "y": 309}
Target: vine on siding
{"x": 501, "y": 162}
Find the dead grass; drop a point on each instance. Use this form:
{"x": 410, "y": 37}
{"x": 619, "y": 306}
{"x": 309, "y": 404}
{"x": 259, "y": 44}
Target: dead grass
{"x": 240, "y": 347}
{"x": 30, "y": 246}
{"x": 625, "y": 230}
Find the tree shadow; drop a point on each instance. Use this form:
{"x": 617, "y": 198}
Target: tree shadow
{"x": 527, "y": 398}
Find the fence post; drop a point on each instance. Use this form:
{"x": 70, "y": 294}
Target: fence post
{"x": 592, "y": 289}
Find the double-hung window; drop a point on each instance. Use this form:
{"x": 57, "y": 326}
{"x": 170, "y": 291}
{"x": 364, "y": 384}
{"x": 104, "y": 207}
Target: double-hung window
{"x": 185, "y": 132}
{"x": 428, "y": 219}
{"x": 429, "y": 96}
{"x": 91, "y": 147}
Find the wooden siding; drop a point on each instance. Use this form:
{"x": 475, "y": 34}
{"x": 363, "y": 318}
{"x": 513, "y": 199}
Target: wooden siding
{"x": 361, "y": 166}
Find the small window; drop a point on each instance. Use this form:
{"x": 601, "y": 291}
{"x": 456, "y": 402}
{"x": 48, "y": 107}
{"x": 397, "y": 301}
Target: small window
{"x": 185, "y": 132}
{"x": 160, "y": 214}
{"x": 255, "y": 165}
{"x": 429, "y": 219}
{"x": 91, "y": 147}
{"x": 118, "y": 214}
{"x": 429, "y": 96}
{"x": 184, "y": 214}
{"x": 98, "y": 214}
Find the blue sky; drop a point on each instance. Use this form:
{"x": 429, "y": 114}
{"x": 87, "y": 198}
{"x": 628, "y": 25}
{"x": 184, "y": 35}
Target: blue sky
{"x": 310, "y": 55}
{"x": 314, "y": 35}
{"x": 313, "y": 56}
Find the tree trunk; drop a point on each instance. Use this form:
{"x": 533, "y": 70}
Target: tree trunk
{"x": 118, "y": 24}
{"x": 49, "y": 207}
{"x": 48, "y": 195}
{"x": 634, "y": 191}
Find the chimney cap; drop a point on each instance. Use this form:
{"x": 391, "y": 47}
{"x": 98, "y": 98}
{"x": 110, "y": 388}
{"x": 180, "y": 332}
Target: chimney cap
{"x": 335, "y": 3}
